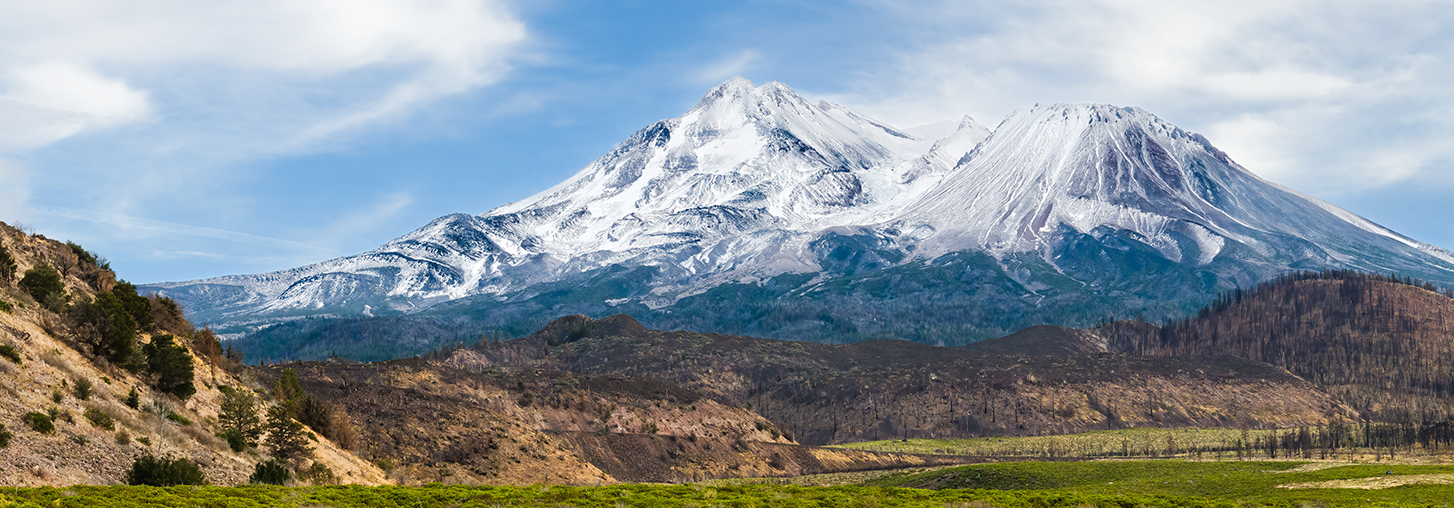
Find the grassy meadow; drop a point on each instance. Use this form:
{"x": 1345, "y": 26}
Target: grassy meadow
{"x": 1077, "y": 484}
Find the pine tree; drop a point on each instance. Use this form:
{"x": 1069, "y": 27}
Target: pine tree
{"x": 285, "y": 435}
{"x": 172, "y": 366}
{"x": 239, "y": 418}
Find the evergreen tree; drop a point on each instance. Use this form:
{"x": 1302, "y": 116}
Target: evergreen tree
{"x": 239, "y": 417}
{"x": 172, "y": 366}
{"x": 136, "y": 306}
{"x": 41, "y": 282}
{"x": 285, "y": 435}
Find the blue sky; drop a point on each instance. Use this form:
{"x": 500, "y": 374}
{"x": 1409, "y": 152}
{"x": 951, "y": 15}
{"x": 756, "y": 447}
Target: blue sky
{"x": 193, "y": 139}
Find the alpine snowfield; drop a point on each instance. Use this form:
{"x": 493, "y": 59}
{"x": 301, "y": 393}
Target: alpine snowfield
{"x": 1084, "y": 207}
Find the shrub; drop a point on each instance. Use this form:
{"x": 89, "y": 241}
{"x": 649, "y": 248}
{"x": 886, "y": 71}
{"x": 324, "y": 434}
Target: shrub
{"x": 122, "y": 438}
{"x": 272, "y": 472}
{"x": 149, "y": 470}
{"x": 41, "y": 282}
{"x": 56, "y": 396}
{"x": 172, "y": 366}
{"x": 235, "y": 440}
{"x": 39, "y": 422}
{"x": 319, "y": 474}
{"x": 181, "y": 420}
{"x": 82, "y": 389}
{"x": 9, "y": 352}
{"x": 100, "y": 419}
{"x": 7, "y": 265}
{"x": 5, "y": 436}
{"x": 5, "y": 307}
{"x": 133, "y": 399}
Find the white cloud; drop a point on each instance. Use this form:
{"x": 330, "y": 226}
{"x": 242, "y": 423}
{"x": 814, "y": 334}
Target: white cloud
{"x": 291, "y": 71}
{"x": 715, "y": 73}
{"x": 1328, "y": 97}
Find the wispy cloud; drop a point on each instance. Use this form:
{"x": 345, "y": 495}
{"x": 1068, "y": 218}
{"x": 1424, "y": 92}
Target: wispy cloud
{"x": 1327, "y": 97}
{"x": 73, "y": 66}
{"x": 137, "y": 223}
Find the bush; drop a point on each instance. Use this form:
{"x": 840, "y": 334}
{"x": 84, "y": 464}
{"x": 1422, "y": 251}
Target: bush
{"x": 100, "y": 419}
{"x": 9, "y": 352}
{"x": 5, "y": 436}
{"x": 7, "y": 265}
{"x": 181, "y": 420}
{"x": 5, "y": 307}
{"x": 122, "y": 438}
{"x": 82, "y": 389}
{"x": 39, "y": 422}
{"x": 41, "y": 282}
{"x": 319, "y": 474}
{"x": 172, "y": 366}
{"x": 149, "y": 470}
{"x": 272, "y": 472}
{"x": 235, "y": 440}
{"x": 133, "y": 399}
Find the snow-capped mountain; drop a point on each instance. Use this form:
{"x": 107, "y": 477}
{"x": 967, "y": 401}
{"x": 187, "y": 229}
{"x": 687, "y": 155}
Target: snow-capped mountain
{"x": 758, "y": 199}
{"x": 743, "y": 178}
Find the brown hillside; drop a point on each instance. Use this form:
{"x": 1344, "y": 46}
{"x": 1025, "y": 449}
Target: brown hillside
{"x": 1042, "y": 340}
{"x": 53, "y": 362}
{"x": 439, "y": 422}
{"x": 1385, "y": 347}
{"x": 824, "y": 394}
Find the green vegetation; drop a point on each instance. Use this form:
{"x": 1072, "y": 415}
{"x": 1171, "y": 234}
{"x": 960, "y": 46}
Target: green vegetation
{"x": 5, "y": 436}
{"x": 7, "y": 266}
{"x": 9, "y": 352}
{"x": 171, "y": 365}
{"x": 100, "y": 419}
{"x": 82, "y": 389}
{"x": 271, "y": 472}
{"x": 286, "y": 435}
{"x": 43, "y": 283}
{"x": 5, "y": 307}
{"x": 239, "y": 420}
{"x": 1235, "y": 483}
{"x": 149, "y": 470}
{"x": 181, "y": 420}
{"x": 133, "y": 399}
{"x": 39, "y": 422}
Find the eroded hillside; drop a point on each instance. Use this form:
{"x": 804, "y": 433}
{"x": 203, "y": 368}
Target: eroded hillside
{"x": 824, "y": 394}
{"x": 59, "y": 365}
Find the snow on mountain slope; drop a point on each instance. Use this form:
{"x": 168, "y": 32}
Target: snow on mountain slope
{"x": 1086, "y": 167}
{"x": 741, "y": 179}
{"x": 1093, "y": 208}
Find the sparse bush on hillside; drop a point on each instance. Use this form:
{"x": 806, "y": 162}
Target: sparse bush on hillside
{"x": 271, "y": 472}
{"x": 5, "y": 307}
{"x": 42, "y": 282}
{"x": 5, "y": 436}
{"x": 149, "y": 470}
{"x": 171, "y": 366}
{"x": 7, "y": 265}
{"x": 39, "y": 422}
{"x": 319, "y": 474}
{"x": 206, "y": 345}
{"x": 9, "y": 352}
{"x": 82, "y": 389}
{"x": 133, "y": 399}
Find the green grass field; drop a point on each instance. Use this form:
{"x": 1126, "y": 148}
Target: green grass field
{"x": 1207, "y": 444}
{"x": 1121, "y": 484}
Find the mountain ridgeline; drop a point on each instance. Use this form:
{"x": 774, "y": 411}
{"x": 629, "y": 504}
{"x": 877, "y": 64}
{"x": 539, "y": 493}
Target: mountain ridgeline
{"x": 758, "y": 212}
{"x": 1382, "y": 344}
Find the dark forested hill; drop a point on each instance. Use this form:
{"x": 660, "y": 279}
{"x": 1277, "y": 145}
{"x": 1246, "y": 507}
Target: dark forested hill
{"x": 1382, "y": 344}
